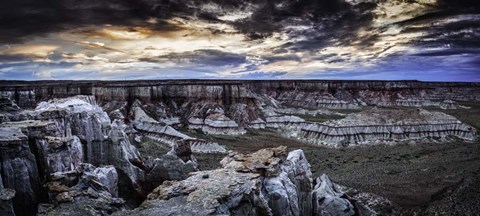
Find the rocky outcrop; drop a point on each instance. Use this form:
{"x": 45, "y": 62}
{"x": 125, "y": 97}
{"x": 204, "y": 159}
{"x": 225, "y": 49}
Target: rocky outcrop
{"x": 177, "y": 164}
{"x": 19, "y": 170}
{"x": 87, "y": 190}
{"x": 298, "y": 171}
{"x": 418, "y": 102}
{"x": 357, "y": 94}
{"x": 210, "y": 118}
{"x": 155, "y": 130}
{"x": 267, "y": 182}
{"x": 102, "y": 141}
{"x": 83, "y": 118}
{"x": 216, "y": 125}
{"x": 301, "y": 111}
{"x": 258, "y": 124}
{"x": 329, "y": 200}
{"x": 60, "y": 153}
{"x": 6, "y": 204}
{"x": 222, "y": 191}
{"x": 52, "y": 143}
{"x": 124, "y": 156}
{"x": 8, "y": 105}
{"x": 320, "y": 100}
{"x": 204, "y": 146}
{"x": 386, "y": 125}
{"x": 284, "y": 122}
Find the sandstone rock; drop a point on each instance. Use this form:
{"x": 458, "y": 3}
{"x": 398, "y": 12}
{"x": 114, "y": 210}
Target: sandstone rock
{"x": 306, "y": 93}
{"x": 378, "y": 124}
{"x": 8, "y": 105}
{"x": 329, "y": 200}
{"x": 284, "y": 122}
{"x": 264, "y": 161}
{"x": 84, "y": 119}
{"x": 267, "y": 182}
{"x": 60, "y": 153}
{"x": 85, "y": 190}
{"x": 298, "y": 171}
{"x": 216, "y": 125}
{"x": 301, "y": 111}
{"x": 6, "y": 205}
{"x": 216, "y": 192}
{"x": 258, "y": 124}
{"x": 19, "y": 170}
{"x": 211, "y": 119}
{"x": 203, "y": 146}
{"x": 169, "y": 167}
{"x": 25, "y": 98}
{"x": 167, "y": 134}
{"x": 319, "y": 100}
{"x": 108, "y": 177}
{"x": 122, "y": 154}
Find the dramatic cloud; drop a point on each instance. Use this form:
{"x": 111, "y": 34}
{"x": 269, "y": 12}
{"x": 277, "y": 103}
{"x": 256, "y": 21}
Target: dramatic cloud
{"x": 240, "y": 39}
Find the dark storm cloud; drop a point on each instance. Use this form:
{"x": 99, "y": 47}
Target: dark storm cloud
{"x": 469, "y": 5}
{"x": 328, "y": 18}
{"x": 460, "y": 34}
{"x": 338, "y": 23}
{"x": 22, "y": 18}
{"x": 207, "y": 57}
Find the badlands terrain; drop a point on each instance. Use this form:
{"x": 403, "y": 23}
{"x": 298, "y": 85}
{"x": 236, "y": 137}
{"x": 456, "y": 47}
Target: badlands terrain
{"x": 207, "y": 147}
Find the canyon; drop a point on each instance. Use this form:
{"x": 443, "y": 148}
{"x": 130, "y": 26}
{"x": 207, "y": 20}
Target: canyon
{"x": 67, "y": 145}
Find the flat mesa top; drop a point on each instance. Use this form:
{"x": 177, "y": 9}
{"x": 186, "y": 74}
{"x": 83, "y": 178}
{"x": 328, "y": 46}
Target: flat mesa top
{"x": 394, "y": 116}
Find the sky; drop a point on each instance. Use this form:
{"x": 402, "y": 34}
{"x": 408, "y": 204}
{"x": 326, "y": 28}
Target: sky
{"x": 428, "y": 40}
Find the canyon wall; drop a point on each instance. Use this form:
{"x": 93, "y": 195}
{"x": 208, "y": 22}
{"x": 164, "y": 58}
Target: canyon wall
{"x": 227, "y": 92}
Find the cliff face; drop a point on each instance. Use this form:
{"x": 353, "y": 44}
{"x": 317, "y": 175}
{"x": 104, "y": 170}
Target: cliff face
{"x": 331, "y": 94}
{"x": 19, "y": 170}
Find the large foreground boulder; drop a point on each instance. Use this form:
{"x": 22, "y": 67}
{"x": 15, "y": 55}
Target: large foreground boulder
{"x": 261, "y": 183}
